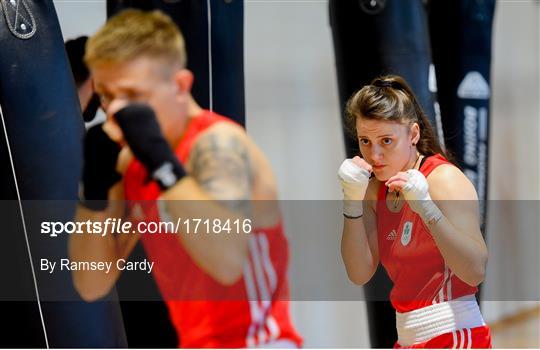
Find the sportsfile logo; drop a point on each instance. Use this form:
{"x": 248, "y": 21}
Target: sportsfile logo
{"x": 120, "y": 226}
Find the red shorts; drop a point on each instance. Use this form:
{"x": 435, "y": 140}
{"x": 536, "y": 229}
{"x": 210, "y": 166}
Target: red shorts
{"x": 467, "y": 338}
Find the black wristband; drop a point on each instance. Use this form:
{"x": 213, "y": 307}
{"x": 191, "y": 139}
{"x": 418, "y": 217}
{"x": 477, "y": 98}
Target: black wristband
{"x": 352, "y": 217}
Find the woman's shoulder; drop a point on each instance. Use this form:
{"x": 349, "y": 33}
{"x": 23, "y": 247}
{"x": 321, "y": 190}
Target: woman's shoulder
{"x": 438, "y": 168}
{"x": 430, "y": 163}
{"x": 445, "y": 172}
{"x": 446, "y": 181}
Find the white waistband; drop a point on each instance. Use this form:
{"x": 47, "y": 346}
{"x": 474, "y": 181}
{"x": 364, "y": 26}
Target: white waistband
{"x": 421, "y": 325}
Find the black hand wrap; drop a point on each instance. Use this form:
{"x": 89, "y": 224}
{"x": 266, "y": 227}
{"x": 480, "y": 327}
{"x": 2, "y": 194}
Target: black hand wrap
{"x": 92, "y": 108}
{"x": 99, "y": 171}
{"x": 143, "y": 135}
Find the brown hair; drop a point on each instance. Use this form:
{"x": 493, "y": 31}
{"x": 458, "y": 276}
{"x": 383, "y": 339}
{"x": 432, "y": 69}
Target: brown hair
{"x": 135, "y": 33}
{"x": 390, "y": 98}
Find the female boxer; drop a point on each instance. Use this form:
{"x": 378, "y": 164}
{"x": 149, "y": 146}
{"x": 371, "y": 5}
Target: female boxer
{"x": 418, "y": 215}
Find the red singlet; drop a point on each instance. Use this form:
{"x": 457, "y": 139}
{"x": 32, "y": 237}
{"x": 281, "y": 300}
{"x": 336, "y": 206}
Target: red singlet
{"x": 252, "y": 312}
{"x": 420, "y": 275}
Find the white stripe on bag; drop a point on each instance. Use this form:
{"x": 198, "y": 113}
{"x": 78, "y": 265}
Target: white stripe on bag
{"x": 461, "y": 339}
{"x": 469, "y": 336}
{"x": 23, "y": 222}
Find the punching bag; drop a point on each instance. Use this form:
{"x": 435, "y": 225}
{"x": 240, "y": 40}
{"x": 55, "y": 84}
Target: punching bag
{"x": 461, "y": 33}
{"x": 214, "y": 40}
{"x": 41, "y": 155}
{"x": 379, "y": 37}
{"x": 373, "y": 38}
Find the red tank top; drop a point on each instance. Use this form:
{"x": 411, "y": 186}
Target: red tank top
{"x": 253, "y": 311}
{"x": 410, "y": 256}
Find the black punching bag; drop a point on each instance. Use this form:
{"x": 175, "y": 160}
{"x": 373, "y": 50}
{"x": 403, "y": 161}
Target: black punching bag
{"x": 218, "y": 68}
{"x": 461, "y": 32}
{"x": 379, "y": 37}
{"x": 41, "y": 154}
{"x": 373, "y": 38}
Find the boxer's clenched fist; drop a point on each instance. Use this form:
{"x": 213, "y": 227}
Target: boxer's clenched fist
{"x": 414, "y": 186}
{"x": 142, "y": 133}
{"x": 354, "y": 178}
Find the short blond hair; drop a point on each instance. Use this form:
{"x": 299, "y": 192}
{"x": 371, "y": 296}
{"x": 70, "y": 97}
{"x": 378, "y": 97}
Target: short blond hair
{"x": 135, "y": 33}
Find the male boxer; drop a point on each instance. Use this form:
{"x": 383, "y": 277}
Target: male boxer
{"x": 222, "y": 289}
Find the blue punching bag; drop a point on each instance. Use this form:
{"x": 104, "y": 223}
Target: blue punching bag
{"x": 461, "y": 37}
{"x": 380, "y": 37}
{"x": 373, "y": 38}
{"x": 41, "y": 155}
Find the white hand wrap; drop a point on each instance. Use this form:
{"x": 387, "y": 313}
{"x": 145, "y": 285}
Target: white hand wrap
{"x": 354, "y": 182}
{"x": 416, "y": 192}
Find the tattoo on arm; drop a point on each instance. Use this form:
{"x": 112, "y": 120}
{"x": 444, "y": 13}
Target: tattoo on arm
{"x": 222, "y": 166}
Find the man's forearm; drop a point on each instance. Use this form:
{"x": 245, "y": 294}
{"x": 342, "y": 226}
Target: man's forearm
{"x": 89, "y": 247}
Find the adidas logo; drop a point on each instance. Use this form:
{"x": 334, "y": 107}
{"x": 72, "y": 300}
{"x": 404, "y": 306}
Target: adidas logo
{"x": 391, "y": 236}
{"x": 474, "y": 86}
